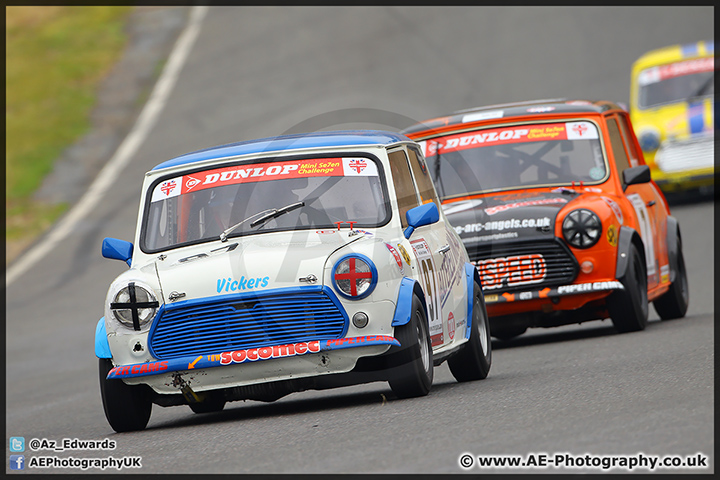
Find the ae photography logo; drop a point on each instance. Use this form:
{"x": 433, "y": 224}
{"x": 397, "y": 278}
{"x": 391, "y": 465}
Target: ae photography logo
{"x": 587, "y": 461}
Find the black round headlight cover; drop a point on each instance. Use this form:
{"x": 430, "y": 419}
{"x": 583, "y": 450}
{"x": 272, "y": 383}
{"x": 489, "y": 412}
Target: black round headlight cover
{"x": 582, "y": 228}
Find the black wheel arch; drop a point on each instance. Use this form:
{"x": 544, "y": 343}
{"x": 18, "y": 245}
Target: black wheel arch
{"x": 417, "y": 290}
{"x": 673, "y": 239}
{"x": 627, "y": 237}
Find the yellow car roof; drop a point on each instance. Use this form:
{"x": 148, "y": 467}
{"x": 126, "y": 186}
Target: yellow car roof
{"x": 674, "y": 53}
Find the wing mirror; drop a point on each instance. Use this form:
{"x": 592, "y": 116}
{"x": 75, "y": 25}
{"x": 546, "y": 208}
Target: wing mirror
{"x": 635, "y": 175}
{"x": 117, "y": 249}
{"x": 420, "y": 216}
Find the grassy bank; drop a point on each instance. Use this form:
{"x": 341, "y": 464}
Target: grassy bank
{"x": 56, "y": 57}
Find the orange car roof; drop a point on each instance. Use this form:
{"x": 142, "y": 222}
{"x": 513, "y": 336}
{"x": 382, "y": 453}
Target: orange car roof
{"x": 519, "y": 109}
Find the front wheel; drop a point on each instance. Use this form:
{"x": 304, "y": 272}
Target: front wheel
{"x": 628, "y": 308}
{"x": 127, "y": 407}
{"x": 412, "y": 369}
{"x": 474, "y": 360}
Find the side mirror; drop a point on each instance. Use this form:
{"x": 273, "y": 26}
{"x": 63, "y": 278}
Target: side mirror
{"x": 117, "y": 249}
{"x": 635, "y": 175}
{"x": 420, "y": 216}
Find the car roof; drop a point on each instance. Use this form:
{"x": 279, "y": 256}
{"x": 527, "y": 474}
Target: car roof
{"x": 283, "y": 143}
{"x": 519, "y": 109}
{"x": 674, "y": 53}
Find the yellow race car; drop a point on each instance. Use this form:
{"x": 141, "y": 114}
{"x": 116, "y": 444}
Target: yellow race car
{"x": 671, "y": 106}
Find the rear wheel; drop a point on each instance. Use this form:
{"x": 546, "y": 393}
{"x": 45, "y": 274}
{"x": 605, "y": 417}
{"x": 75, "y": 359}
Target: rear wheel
{"x": 127, "y": 407}
{"x": 412, "y": 370}
{"x": 674, "y": 302}
{"x": 628, "y": 308}
{"x": 473, "y": 361}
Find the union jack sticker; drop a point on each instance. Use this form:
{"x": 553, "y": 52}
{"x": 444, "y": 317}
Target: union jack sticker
{"x": 167, "y": 189}
{"x": 363, "y": 167}
{"x": 580, "y": 130}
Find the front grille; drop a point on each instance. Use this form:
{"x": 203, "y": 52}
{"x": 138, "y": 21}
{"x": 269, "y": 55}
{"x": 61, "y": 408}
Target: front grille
{"x": 513, "y": 266}
{"x": 691, "y": 154}
{"x": 240, "y": 322}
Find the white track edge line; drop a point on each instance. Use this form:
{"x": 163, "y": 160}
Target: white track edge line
{"x": 145, "y": 122}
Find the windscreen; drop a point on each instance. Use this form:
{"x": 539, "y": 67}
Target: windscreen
{"x": 518, "y": 156}
{"x": 676, "y": 82}
{"x": 262, "y": 197}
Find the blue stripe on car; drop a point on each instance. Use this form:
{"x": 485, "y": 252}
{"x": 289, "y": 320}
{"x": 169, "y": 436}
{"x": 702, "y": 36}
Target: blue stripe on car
{"x": 345, "y": 138}
{"x": 696, "y": 114}
{"x": 689, "y": 50}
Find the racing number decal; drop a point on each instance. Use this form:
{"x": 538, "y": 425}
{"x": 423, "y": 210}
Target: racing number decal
{"x": 645, "y": 231}
{"x": 429, "y": 280}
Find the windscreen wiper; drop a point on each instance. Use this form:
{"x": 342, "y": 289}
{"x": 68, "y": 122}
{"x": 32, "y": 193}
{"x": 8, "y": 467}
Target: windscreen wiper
{"x": 224, "y": 234}
{"x": 266, "y": 216}
{"x": 276, "y": 213}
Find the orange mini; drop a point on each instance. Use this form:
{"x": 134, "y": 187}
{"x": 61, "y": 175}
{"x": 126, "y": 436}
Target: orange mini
{"x": 558, "y": 212}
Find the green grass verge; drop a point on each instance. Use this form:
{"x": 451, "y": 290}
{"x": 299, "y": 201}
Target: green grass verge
{"x": 56, "y": 58}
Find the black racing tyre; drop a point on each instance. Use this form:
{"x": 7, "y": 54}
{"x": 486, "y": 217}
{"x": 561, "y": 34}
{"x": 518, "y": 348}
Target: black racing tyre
{"x": 628, "y": 308}
{"x": 411, "y": 374}
{"x": 474, "y": 360}
{"x": 209, "y": 405}
{"x": 674, "y": 302}
{"x": 127, "y": 407}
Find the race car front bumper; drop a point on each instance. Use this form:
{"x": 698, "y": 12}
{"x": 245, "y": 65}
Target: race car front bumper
{"x": 554, "y": 292}
{"x": 253, "y": 366}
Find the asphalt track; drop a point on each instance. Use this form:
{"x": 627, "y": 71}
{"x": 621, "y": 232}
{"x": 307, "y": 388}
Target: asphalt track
{"x": 261, "y": 71}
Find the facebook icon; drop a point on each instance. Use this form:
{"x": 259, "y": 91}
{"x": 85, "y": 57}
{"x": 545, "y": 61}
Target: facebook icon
{"x": 17, "y": 462}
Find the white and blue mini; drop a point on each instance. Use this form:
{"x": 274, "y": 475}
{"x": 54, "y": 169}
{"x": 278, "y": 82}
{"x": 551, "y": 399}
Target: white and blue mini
{"x": 278, "y": 265}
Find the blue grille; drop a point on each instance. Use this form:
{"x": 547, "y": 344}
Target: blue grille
{"x": 246, "y": 321}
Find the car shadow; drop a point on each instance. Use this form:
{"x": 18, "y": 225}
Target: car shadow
{"x": 551, "y": 335}
{"x": 335, "y": 399}
{"x": 250, "y": 409}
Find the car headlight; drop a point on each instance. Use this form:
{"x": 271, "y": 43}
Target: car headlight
{"x": 581, "y": 228}
{"x": 649, "y": 140}
{"x": 354, "y": 276}
{"x": 134, "y": 306}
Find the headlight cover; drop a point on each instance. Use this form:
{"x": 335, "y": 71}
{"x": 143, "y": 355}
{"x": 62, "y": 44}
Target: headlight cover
{"x": 354, "y": 276}
{"x": 134, "y": 306}
{"x": 582, "y": 228}
{"x": 649, "y": 139}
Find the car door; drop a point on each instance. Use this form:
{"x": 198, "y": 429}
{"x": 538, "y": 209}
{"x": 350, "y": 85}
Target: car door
{"x": 420, "y": 246}
{"x": 447, "y": 253}
{"x": 647, "y": 203}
